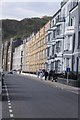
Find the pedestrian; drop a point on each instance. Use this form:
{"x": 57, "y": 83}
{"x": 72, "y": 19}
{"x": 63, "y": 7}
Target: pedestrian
{"x": 50, "y": 75}
{"x": 41, "y": 74}
{"x": 54, "y": 76}
{"x": 2, "y": 79}
{"x": 37, "y": 73}
{"x": 43, "y": 71}
{"x": 46, "y": 74}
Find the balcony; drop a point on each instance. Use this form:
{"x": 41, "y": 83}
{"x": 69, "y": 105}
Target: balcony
{"x": 58, "y": 49}
{"x": 69, "y": 30}
{"x": 60, "y": 20}
{"x": 53, "y": 28}
{"x": 52, "y": 56}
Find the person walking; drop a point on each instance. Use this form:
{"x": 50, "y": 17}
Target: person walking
{"x": 38, "y": 72}
{"x": 54, "y": 76}
{"x": 41, "y": 74}
{"x": 46, "y": 74}
{"x": 50, "y": 75}
{"x": 2, "y": 77}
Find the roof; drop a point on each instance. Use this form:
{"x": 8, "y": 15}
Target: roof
{"x": 64, "y": 2}
{"x": 56, "y": 13}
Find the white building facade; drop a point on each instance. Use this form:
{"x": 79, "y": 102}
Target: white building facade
{"x": 70, "y": 34}
{"x": 17, "y": 58}
{"x": 63, "y": 38}
{"x": 55, "y": 43}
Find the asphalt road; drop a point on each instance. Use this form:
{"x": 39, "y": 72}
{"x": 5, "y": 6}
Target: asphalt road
{"x": 28, "y": 97}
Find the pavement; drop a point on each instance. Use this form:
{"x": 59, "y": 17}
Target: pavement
{"x": 67, "y": 87}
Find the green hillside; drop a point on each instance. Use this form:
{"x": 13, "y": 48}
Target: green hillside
{"x": 23, "y": 28}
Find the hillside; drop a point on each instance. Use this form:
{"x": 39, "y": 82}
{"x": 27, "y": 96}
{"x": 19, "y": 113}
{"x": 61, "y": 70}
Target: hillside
{"x": 23, "y": 28}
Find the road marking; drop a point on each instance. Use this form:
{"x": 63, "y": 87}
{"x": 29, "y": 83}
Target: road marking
{"x": 10, "y": 110}
{"x": 11, "y": 115}
{"x": 7, "y": 94}
{"x": 9, "y": 107}
{"x": 6, "y": 89}
{"x": 9, "y": 103}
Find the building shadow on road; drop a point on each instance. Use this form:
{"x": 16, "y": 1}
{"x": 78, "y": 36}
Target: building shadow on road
{"x": 20, "y": 98}
{"x": 4, "y": 98}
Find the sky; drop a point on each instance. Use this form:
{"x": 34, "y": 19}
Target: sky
{"x": 20, "y": 9}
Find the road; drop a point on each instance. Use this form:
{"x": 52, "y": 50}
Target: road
{"x": 29, "y": 97}
{"x": 0, "y": 99}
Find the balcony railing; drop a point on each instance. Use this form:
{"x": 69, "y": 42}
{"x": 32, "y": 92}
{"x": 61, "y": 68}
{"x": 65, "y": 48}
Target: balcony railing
{"x": 52, "y": 56}
{"x": 62, "y": 19}
{"x": 69, "y": 30}
{"x": 53, "y": 27}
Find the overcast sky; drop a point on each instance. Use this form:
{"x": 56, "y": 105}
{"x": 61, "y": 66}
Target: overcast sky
{"x": 20, "y": 9}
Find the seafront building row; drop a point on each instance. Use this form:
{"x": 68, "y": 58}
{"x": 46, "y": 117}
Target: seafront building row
{"x": 55, "y": 46}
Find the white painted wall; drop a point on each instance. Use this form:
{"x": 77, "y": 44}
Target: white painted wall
{"x": 17, "y": 58}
